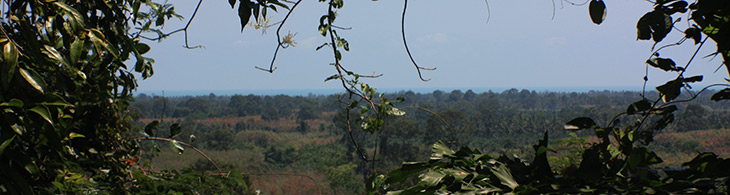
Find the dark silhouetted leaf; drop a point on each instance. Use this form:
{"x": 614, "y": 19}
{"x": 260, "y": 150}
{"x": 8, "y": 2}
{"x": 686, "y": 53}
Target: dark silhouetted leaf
{"x": 142, "y": 48}
{"x": 597, "y": 10}
{"x": 336, "y": 76}
{"x": 642, "y": 157}
{"x": 232, "y": 3}
{"x": 640, "y": 106}
{"x": 663, "y": 122}
{"x": 721, "y": 95}
{"x": 693, "y": 79}
{"x": 679, "y": 6}
{"x": 175, "y": 129}
{"x": 244, "y": 13}
{"x": 670, "y": 90}
{"x": 151, "y": 127}
{"x": 580, "y": 123}
{"x": 709, "y": 164}
{"x": 665, "y": 64}
{"x": 694, "y": 33}
{"x": 655, "y": 24}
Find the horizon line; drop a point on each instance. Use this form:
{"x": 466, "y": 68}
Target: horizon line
{"x": 331, "y": 91}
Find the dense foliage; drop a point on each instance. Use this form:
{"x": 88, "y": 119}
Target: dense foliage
{"x": 66, "y": 90}
{"x": 499, "y": 124}
{"x": 66, "y": 83}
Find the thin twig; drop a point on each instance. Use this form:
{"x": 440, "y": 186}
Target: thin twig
{"x": 278, "y": 39}
{"x": 184, "y": 30}
{"x": 489, "y": 12}
{"x": 185, "y": 144}
{"x": 403, "y": 35}
{"x": 694, "y": 96}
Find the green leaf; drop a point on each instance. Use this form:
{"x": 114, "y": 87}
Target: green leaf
{"x": 396, "y": 112}
{"x": 597, "y": 10}
{"x": 406, "y": 170}
{"x": 13, "y": 103}
{"x": 5, "y": 144}
{"x": 232, "y": 3}
{"x": 43, "y": 112}
{"x": 142, "y": 48}
{"x": 175, "y": 129}
{"x": 432, "y": 178}
{"x": 18, "y": 129}
{"x": 640, "y": 106}
{"x": 505, "y": 176}
{"x": 457, "y": 173}
{"x": 580, "y": 123}
{"x": 721, "y": 95}
{"x": 54, "y": 55}
{"x": 177, "y": 147}
{"x": 439, "y": 150}
{"x": 75, "y": 135}
{"x": 75, "y": 51}
{"x": 375, "y": 181}
{"x": 151, "y": 127}
{"x": 75, "y": 15}
{"x": 100, "y": 42}
{"x": 670, "y": 90}
{"x": 244, "y": 14}
{"x": 10, "y": 58}
{"x": 642, "y": 157}
{"x": 33, "y": 79}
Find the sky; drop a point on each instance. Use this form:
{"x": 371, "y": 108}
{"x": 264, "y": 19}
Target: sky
{"x": 522, "y": 45}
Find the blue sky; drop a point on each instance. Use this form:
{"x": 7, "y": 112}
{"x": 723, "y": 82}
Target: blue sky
{"x": 521, "y": 46}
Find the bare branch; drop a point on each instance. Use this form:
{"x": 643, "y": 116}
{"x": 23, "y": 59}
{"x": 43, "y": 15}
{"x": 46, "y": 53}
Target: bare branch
{"x": 403, "y": 35}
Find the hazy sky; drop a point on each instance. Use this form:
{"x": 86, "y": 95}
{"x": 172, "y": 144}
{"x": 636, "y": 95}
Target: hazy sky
{"x": 522, "y": 46}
